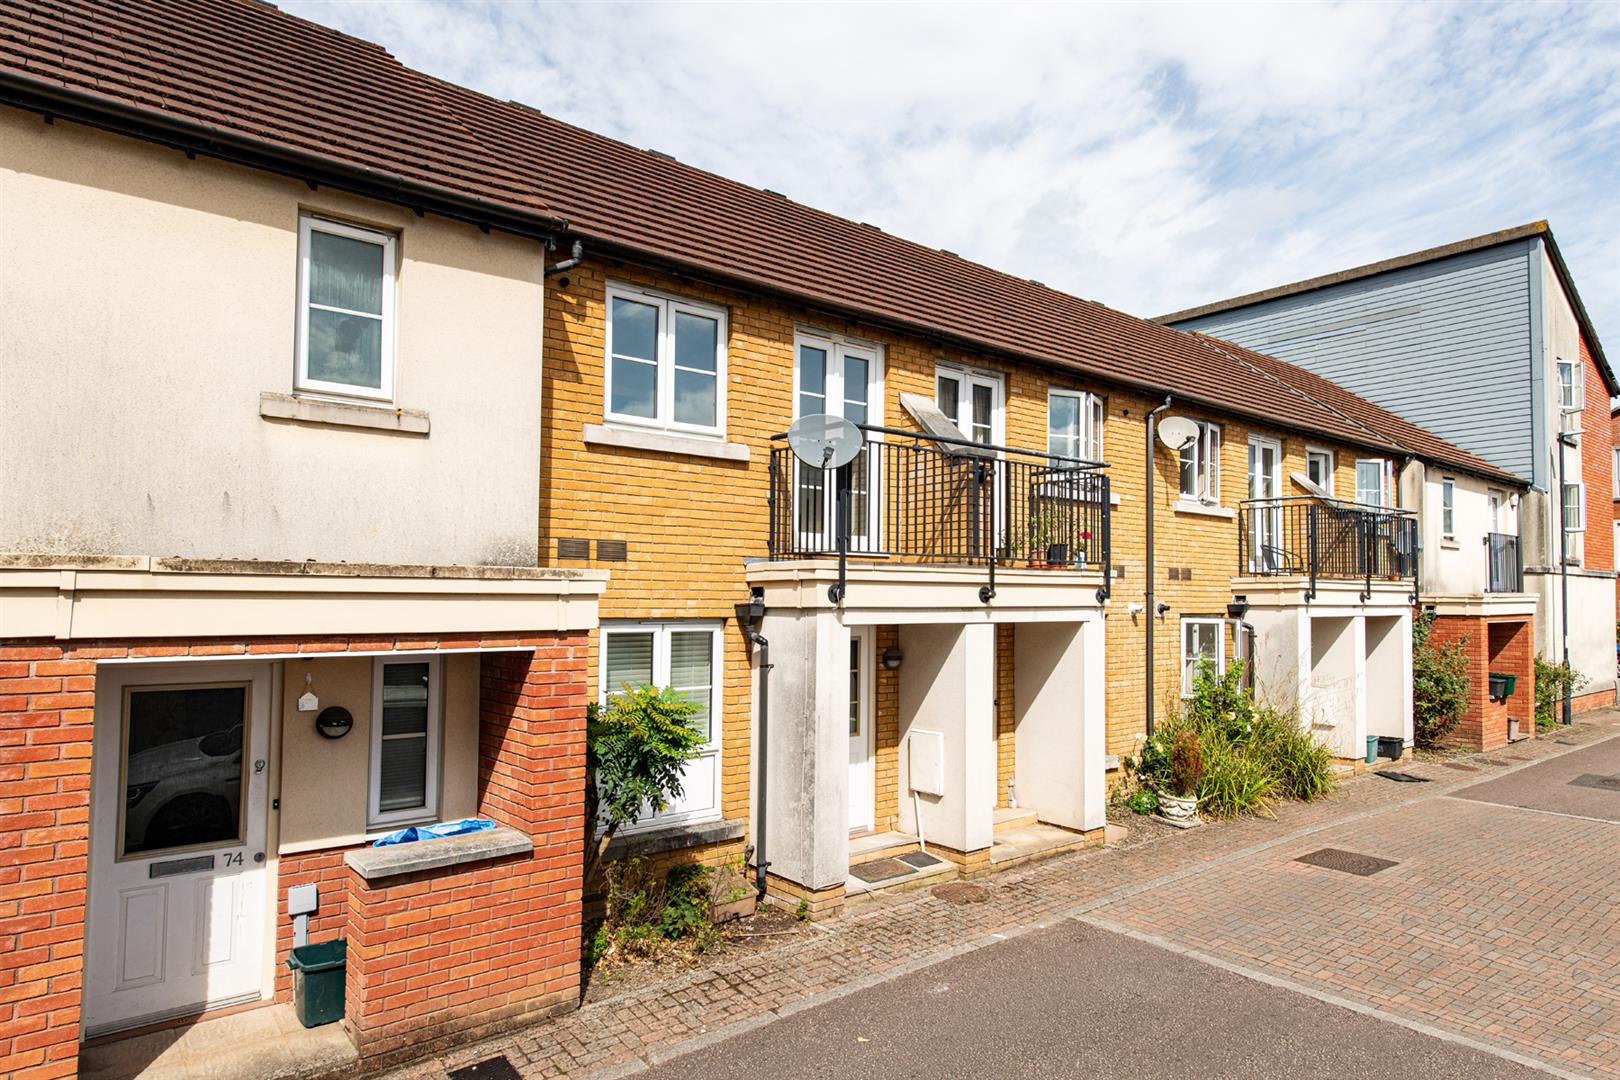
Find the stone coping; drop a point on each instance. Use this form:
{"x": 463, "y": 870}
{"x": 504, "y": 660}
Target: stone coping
{"x": 373, "y": 863}
{"x": 288, "y": 568}
{"x": 673, "y": 838}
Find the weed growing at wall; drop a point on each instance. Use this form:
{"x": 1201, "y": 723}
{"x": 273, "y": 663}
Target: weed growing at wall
{"x": 1439, "y": 683}
{"x": 1552, "y": 682}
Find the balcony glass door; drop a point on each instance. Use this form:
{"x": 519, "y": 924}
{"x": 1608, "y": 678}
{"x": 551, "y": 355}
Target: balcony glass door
{"x": 837, "y": 378}
{"x": 1265, "y": 517}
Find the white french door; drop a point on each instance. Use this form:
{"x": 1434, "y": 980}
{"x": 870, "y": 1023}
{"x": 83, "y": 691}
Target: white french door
{"x": 841, "y": 378}
{"x": 973, "y": 400}
{"x": 1265, "y": 521}
{"x": 177, "y": 853}
{"x": 862, "y": 786}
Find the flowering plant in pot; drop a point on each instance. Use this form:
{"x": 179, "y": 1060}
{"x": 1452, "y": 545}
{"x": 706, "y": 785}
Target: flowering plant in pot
{"x": 1178, "y": 801}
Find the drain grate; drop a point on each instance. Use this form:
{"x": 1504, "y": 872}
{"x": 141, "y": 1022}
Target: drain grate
{"x": 1592, "y": 780}
{"x": 879, "y": 870}
{"x": 920, "y": 859}
{"x": 495, "y": 1068}
{"x": 1459, "y": 766}
{"x": 1402, "y": 777}
{"x": 1349, "y": 862}
{"x": 960, "y": 892}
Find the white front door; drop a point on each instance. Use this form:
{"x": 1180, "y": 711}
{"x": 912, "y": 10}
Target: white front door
{"x": 177, "y": 855}
{"x": 1265, "y": 521}
{"x": 862, "y": 792}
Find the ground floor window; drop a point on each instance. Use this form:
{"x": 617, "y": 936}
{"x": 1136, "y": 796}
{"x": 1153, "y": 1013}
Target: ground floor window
{"x": 1202, "y": 640}
{"x": 405, "y": 738}
{"x": 685, "y": 656}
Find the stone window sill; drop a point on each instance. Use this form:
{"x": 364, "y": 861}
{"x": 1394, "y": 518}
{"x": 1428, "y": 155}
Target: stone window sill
{"x": 673, "y": 838}
{"x": 372, "y": 863}
{"x": 307, "y": 410}
{"x": 664, "y": 442}
{"x": 1187, "y": 506}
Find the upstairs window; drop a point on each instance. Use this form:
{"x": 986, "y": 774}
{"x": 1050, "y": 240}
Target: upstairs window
{"x": 1074, "y": 425}
{"x": 1201, "y": 465}
{"x": 1574, "y": 521}
{"x": 345, "y": 310}
{"x": 1319, "y": 468}
{"x": 972, "y": 400}
{"x": 1614, "y": 473}
{"x": 1372, "y": 482}
{"x": 1571, "y": 389}
{"x": 1448, "y": 507}
{"x": 666, "y": 362}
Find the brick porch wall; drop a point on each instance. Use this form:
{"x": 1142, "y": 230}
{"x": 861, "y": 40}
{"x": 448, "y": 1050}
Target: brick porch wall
{"x": 1502, "y": 645}
{"x": 47, "y": 700}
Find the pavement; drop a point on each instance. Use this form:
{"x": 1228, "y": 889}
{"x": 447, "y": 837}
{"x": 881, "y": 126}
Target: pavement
{"x": 1488, "y": 945}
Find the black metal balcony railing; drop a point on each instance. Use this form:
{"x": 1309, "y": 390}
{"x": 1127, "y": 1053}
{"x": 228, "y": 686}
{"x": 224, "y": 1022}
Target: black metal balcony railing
{"x": 925, "y": 499}
{"x": 1316, "y": 538}
{"x": 1506, "y": 571}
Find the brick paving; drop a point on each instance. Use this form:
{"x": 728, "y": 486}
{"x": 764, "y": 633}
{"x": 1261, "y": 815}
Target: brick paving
{"x": 1465, "y": 935}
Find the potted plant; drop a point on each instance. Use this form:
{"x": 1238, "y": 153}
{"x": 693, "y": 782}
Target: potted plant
{"x": 1179, "y": 802}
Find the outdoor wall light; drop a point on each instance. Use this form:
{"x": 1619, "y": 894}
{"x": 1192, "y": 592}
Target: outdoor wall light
{"x": 334, "y": 722}
{"x": 892, "y": 657}
{"x": 1237, "y": 609}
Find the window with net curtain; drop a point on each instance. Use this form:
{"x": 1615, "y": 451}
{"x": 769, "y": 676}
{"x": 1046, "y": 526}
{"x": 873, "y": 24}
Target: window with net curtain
{"x": 346, "y": 310}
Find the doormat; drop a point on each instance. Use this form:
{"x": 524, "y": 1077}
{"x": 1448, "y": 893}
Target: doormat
{"x": 1402, "y": 777}
{"x": 879, "y": 870}
{"x": 495, "y": 1068}
{"x": 920, "y": 859}
{"x": 1592, "y": 780}
{"x": 1459, "y": 766}
{"x": 1349, "y": 862}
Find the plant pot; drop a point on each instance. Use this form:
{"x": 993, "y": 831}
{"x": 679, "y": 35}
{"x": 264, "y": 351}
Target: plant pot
{"x": 736, "y": 909}
{"x": 1057, "y": 554}
{"x": 1513, "y": 729}
{"x": 1178, "y": 809}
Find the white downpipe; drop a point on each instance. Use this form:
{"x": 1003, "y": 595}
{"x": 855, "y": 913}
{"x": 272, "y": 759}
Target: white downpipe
{"x": 916, "y": 801}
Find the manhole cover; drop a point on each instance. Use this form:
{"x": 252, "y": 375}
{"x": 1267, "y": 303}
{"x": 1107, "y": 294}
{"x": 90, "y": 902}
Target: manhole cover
{"x": 920, "y": 859}
{"x": 1459, "y": 766}
{"x": 960, "y": 892}
{"x": 879, "y": 870}
{"x": 1349, "y": 862}
{"x": 1592, "y": 780}
{"x": 495, "y": 1068}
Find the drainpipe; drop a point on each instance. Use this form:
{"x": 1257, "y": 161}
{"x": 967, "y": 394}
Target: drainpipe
{"x": 569, "y": 263}
{"x": 749, "y": 615}
{"x": 1150, "y": 609}
{"x": 1563, "y": 571}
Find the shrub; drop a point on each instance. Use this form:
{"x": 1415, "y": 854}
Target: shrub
{"x": 648, "y": 914}
{"x": 1439, "y": 683}
{"x": 1302, "y": 765}
{"x": 1552, "y": 682}
{"x": 1236, "y": 781}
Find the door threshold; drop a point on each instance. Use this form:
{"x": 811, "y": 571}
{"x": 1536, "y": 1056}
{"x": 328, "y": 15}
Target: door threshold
{"x": 187, "y": 1016}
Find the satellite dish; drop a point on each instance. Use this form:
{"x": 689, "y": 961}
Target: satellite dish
{"x": 824, "y": 441}
{"x": 1177, "y": 431}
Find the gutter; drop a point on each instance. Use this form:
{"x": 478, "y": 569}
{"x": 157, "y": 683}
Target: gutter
{"x": 52, "y": 100}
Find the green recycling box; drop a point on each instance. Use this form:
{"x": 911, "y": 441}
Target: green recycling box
{"x": 318, "y": 981}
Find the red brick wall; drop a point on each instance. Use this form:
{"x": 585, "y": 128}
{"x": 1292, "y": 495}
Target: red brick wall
{"x": 324, "y": 870}
{"x": 1597, "y": 466}
{"x": 47, "y": 699}
{"x": 1500, "y": 645}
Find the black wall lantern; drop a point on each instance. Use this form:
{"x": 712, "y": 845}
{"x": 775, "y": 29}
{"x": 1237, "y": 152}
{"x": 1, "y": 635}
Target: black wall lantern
{"x": 892, "y": 656}
{"x": 334, "y": 722}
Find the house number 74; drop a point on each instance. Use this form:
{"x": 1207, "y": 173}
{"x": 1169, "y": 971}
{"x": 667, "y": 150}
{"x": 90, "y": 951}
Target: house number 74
{"x": 233, "y": 858}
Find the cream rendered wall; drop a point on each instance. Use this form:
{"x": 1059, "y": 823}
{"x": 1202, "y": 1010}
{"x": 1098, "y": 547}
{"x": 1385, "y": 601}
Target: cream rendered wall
{"x": 324, "y": 782}
{"x": 149, "y": 300}
{"x": 1456, "y": 565}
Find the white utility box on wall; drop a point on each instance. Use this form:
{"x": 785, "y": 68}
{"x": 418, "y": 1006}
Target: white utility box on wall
{"x": 925, "y": 759}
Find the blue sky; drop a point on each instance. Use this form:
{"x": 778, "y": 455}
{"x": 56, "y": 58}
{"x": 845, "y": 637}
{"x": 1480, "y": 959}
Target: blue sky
{"x": 1150, "y": 157}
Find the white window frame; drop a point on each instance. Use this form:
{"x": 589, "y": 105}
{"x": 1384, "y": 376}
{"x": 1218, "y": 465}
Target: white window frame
{"x": 429, "y": 811}
{"x": 1187, "y": 623}
{"x": 1448, "y": 507}
{"x": 668, "y": 305}
{"x": 967, "y": 377}
{"x": 1206, "y": 462}
{"x": 1571, "y": 393}
{"x": 302, "y": 382}
{"x": 838, "y": 348}
{"x": 1573, "y": 537}
{"x": 1325, "y": 455}
{"x": 1614, "y": 473}
{"x": 1089, "y": 407}
{"x": 1384, "y": 481}
{"x": 1495, "y": 503}
{"x": 661, "y": 629}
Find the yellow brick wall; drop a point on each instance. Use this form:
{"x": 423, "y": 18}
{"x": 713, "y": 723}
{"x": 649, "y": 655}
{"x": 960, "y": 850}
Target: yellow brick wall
{"x": 886, "y": 766}
{"x": 689, "y": 522}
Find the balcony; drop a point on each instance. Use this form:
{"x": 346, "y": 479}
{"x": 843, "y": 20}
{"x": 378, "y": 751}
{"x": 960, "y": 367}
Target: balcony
{"x": 915, "y": 498}
{"x": 1327, "y": 540}
{"x": 1504, "y": 568}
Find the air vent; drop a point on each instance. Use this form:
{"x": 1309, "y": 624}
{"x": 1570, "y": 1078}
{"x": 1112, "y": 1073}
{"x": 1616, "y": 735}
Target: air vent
{"x": 573, "y": 549}
{"x": 612, "y": 550}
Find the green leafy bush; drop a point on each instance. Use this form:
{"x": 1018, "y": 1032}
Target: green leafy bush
{"x": 1552, "y": 682}
{"x": 1439, "y": 683}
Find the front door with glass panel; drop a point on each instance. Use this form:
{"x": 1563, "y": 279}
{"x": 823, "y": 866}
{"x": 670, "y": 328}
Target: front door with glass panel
{"x": 834, "y": 377}
{"x": 862, "y": 794}
{"x": 177, "y": 855}
{"x": 1265, "y": 517}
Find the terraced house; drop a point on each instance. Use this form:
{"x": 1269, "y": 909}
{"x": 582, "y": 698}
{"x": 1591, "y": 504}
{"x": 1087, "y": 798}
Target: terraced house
{"x": 359, "y": 429}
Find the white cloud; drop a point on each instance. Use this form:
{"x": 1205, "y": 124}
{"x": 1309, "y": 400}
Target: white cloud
{"x": 1150, "y": 156}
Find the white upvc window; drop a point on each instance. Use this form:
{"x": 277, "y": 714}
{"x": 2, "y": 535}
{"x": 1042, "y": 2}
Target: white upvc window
{"x": 345, "y": 333}
{"x": 1494, "y": 501}
{"x": 973, "y": 400}
{"x": 1201, "y": 465}
{"x": 1571, "y": 387}
{"x": 1614, "y": 472}
{"x": 1319, "y": 468}
{"x": 1202, "y": 641}
{"x": 1373, "y": 482}
{"x": 405, "y": 741}
{"x": 1448, "y": 507}
{"x": 665, "y": 362}
{"x": 1074, "y": 425}
{"x": 684, "y": 655}
{"x": 1574, "y": 521}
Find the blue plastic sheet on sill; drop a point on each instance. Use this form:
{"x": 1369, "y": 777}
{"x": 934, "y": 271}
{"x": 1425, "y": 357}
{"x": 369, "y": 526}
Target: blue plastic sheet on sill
{"x": 433, "y": 832}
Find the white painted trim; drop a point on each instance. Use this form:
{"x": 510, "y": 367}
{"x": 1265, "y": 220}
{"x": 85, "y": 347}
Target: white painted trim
{"x": 1332, "y": 465}
{"x": 668, "y": 306}
{"x": 307, "y": 224}
{"x": 969, "y": 376}
{"x": 1189, "y": 621}
{"x": 1091, "y": 416}
{"x": 429, "y": 810}
{"x": 1187, "y": 506}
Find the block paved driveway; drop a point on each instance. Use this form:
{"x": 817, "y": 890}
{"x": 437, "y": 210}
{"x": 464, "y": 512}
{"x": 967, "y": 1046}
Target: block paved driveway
{"x": 1491, "y": 947}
